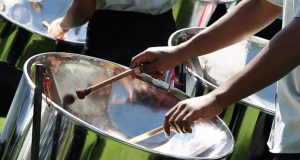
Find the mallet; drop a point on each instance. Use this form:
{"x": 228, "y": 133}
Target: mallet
{"x": 146, "y": 135}
{"x": 152, "y": 133}
{"x": 84, "y": 92}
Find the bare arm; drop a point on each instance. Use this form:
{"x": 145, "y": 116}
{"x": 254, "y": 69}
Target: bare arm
{"x": 247, "y": 18}
{"x": 78, "y": 13}
{"x": 278, "y": 58}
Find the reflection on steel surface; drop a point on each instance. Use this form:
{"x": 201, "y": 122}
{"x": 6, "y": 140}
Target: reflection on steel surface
{"x": 100, "y": 126}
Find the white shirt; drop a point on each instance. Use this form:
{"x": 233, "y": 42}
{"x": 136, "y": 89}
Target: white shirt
{"x": 143, "y": 6}
{"x": 285, "y": 133}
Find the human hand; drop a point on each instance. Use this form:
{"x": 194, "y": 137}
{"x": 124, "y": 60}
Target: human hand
{"x": 181, "y": 116}
{"x": 155, "y": 60}
{"x": 56, "y": 30}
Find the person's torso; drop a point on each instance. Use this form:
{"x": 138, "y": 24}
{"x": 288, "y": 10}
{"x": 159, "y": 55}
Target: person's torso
{"x": 142, "y": 6}
{"x": 285, "y": 137}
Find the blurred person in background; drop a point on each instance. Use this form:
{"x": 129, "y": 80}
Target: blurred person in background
{"x": 118, "y": 29}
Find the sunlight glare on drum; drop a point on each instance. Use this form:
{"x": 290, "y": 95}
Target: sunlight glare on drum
{"x": 20, "y": 14}
{"x": 205, "y": 136}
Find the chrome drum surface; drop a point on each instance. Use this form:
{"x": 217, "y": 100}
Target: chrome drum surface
{"x": 31, "y": 15}
{"x": 99, "y": 126}
{"x": 22, "y": 35}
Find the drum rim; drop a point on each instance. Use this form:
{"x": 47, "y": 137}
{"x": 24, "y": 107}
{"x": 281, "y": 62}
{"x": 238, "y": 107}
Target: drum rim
{"x": 38, "y": 32}
{"x": 143, "y": 77}
{"x": 209, "y": 84}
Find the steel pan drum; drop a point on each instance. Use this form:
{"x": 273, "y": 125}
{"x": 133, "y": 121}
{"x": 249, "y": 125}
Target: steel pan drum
{"x": 215, "y": 68}
{"x": 99, "y": 126}
{"x": 23, "y": 35}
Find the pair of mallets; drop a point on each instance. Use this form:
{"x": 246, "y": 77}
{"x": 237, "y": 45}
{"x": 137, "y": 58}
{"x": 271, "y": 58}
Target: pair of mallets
{"x": 69, "y": 99}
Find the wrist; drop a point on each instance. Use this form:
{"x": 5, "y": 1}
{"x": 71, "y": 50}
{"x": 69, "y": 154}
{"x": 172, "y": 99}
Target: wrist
{"x": 64, "y": 27}
{"x": 221, "y": 99}
{"x": 186, "y": 51}
{"x": 181, "y": 52}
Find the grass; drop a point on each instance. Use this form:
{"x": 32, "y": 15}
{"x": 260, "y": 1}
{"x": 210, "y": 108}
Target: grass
{"x": 2, "y": 121}
{"x": 182, "y": 12}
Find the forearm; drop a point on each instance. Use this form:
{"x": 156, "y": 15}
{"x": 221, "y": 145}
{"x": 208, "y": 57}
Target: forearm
{"x": 78, "y": 13}
{"x": 247, "y": 18}
{"x": 278, "y": 58}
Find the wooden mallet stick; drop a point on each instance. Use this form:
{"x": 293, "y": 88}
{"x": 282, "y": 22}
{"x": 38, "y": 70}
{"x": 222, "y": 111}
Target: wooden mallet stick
{"x": 151, "y": 133}
{"x": 146, "y": 135}
{"x": 84, "y": 92}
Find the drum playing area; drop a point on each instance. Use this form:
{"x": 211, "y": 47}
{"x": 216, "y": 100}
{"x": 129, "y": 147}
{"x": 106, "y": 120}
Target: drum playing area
{"x": 107, "y": 118}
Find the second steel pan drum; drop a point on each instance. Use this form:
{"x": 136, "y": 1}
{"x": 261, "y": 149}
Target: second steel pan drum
{"x": 215, "y": 68}
{"x": 99, "y": 126}
{"x": 22, "y": 33}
